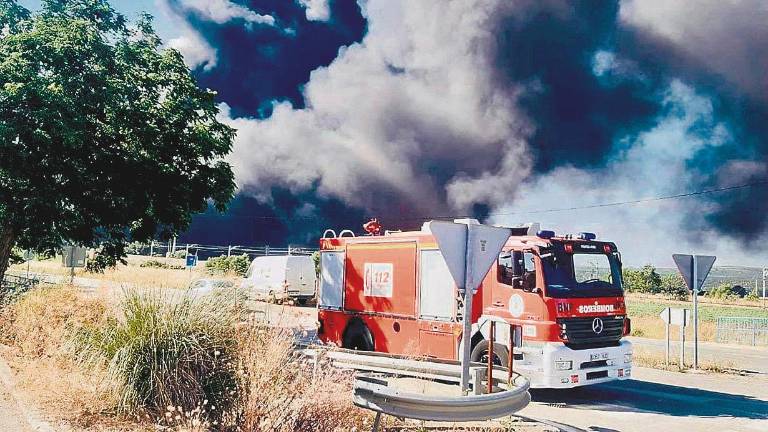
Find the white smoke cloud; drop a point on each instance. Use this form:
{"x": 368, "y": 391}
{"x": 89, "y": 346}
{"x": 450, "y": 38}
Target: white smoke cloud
{"x": 730, "y": 37}
{"x": 223, "y": 11}
{"x": 317, "y": 10}
{"x": 414, "y": 111}
{"x": 653, "y": 164}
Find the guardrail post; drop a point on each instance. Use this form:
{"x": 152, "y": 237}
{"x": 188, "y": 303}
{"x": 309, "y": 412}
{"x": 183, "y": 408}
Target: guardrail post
{"x": 477, "y": 385}
{"x": 489, "y": 376}
{"x": 511, "y": 359}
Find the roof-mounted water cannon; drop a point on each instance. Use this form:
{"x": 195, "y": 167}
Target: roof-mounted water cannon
{"x": 372, "y": 227}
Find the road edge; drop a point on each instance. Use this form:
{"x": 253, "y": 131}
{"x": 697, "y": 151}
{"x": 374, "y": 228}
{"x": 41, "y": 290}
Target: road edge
{"x": 31, "y": 415}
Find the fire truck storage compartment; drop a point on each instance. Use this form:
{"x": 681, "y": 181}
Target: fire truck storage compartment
{"x": 386, "y": 272}
{"x": 437, "y": 291}
{"x": 332, "y": 279}
{"x": 437, "y": 305}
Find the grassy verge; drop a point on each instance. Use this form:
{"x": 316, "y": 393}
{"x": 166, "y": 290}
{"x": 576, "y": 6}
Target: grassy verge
{"x": 644, "y": 311}
{"x": 130, "y": 275}
{"x": 173, "y": 363}
{"x": 657, "y": 361}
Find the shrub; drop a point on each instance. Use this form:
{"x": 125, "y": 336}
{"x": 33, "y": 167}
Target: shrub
{"x": 161, "y": 265}
{"x": 181, "y": 254}
{"x": 752, "y": 296}
{"x": 167, "y": 352}
{"x": 134, "y": 248}
{"x": 725, "y": 291}
{"x": 316, "y": 260}
{"x": 644, "y": 280}
{"x": 236, "y": 264}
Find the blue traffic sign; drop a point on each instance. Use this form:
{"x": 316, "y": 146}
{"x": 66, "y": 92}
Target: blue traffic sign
{"x": 191, "y": 260}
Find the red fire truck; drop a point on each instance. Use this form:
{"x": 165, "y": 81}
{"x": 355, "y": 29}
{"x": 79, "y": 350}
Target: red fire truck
{"x": 393, "y": 293}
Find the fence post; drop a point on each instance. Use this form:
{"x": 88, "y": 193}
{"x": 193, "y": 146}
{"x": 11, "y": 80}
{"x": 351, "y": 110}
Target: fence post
{"x": 229, "y": 250}
{"x": 754, "y": 332}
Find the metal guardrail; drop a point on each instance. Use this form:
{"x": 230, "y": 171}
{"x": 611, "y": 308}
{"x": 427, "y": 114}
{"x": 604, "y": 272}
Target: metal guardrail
{"x": 748, "y": 331}
{"x": 372, "y": 390}
{"x": 375, "y": 394}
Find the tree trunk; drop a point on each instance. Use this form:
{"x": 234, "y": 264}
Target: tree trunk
{"x": 7, "y": 239}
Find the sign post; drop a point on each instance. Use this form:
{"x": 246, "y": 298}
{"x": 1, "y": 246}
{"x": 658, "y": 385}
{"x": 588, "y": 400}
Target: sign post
{"x": 73, "y": 256}
{"x": 694, "y": 269}
{"x": 469, "y": 249}
{"x": 679, "y": 317}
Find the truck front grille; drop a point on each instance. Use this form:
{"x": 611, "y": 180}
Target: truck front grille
{"x": 588, "y": 332}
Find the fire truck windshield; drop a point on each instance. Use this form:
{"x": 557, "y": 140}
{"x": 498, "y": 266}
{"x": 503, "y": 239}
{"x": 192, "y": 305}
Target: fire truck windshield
{"x": 581, "y": 274}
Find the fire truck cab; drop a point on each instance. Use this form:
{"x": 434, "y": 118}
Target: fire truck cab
{"x": 393, "y": 293}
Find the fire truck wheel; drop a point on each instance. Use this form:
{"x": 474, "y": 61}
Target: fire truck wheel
{"x": 357, "y": 337}
{"x": 500, "y": 354}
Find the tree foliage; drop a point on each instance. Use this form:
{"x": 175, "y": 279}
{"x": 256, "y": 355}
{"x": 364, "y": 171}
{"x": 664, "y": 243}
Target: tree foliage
{"x": 644, "y": 280}
{"x": 105, "y": 138}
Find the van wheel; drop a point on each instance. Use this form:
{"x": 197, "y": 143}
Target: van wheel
{"x": 357, "y": 337}
{"x": 301, "y": 301}
{"x": 500, "y": 354}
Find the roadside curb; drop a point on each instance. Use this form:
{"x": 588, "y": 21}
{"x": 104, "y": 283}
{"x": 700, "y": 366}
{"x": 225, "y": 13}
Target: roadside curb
{"x": 31, "y": 415}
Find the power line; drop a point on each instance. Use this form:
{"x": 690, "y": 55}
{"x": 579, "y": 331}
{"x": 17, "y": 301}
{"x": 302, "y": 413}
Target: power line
{"x": 550, "y": 210}
{"x": 641, "y": 200}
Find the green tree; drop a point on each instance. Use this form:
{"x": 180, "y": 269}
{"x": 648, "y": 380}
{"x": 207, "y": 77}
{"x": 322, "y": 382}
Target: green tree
{"x": 644, "y": 280}
{"x": 673, "y": 285}
{"x": 105, "y": 137}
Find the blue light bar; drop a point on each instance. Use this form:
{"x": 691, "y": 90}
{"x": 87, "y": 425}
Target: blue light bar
{"x": 545, "y": 234}
{"x": 587, "y": 236}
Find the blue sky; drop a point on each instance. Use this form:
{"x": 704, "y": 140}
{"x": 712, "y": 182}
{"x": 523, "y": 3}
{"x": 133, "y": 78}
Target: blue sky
{"x": 508, "y": 111}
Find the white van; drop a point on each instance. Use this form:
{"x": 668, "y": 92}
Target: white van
{"x": 282, "y": 277}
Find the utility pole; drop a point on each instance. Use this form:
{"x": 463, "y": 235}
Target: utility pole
{"x": 765, "y": 276}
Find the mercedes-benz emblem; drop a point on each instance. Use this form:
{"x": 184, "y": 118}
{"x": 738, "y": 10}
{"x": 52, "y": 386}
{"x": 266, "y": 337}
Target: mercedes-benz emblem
{"x": 597, "y": 325}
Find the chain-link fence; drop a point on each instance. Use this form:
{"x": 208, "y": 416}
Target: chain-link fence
{"x": 748, "y": 331}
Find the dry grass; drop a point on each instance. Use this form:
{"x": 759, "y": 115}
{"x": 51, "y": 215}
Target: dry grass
{"x": 650, "y": 327}
{"x": 277, "y": 391}
{"x": 648, "y": 359}
{"x": 36, "y": 327}
{"x": 283, "y": 392}
{"x": 131, "y": 275}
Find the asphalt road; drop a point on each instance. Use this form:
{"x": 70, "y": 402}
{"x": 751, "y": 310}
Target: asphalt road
{"x": 742, "y": 357}
{"x": 659, "y": 401}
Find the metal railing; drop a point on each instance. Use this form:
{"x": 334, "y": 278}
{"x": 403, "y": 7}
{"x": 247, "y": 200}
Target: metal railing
{"x": 208, "y": 251}
{"x": 748, "y": 331}
{"x": 12, "y": 286}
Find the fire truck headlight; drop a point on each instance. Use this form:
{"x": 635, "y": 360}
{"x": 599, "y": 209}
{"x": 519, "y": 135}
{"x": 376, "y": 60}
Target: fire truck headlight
{"x": 628, "y": 358}
{"x": 564, "y": 365}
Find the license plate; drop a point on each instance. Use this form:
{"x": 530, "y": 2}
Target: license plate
{"x": 598, "y": 356}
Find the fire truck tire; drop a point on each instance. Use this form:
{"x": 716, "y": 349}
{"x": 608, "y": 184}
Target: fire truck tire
{"x": 480, "y": 353}
{"x": 357, "y": 337}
